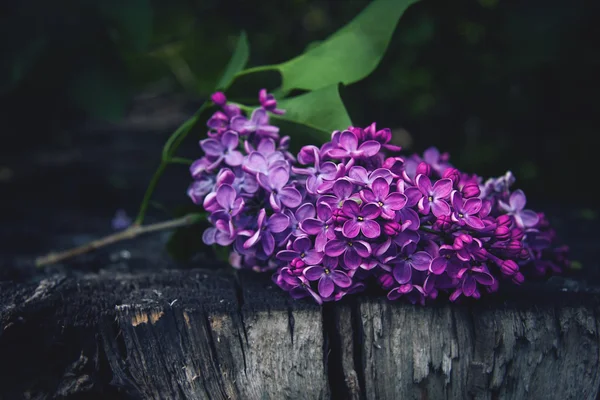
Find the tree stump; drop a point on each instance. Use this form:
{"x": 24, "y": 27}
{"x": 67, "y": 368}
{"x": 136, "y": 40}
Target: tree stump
{"x": 212, "y": 334}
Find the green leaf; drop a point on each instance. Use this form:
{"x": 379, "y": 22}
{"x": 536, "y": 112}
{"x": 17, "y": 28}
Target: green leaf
{"x": 313, "y": 45}
{"x": 350, "y": 54}
{"x": 322, "y": 111}
{"x": 238, "y": 61}
{"x": 100, "y": 93}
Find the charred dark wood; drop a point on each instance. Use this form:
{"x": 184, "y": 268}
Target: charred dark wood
{"x": 201, "y": 334}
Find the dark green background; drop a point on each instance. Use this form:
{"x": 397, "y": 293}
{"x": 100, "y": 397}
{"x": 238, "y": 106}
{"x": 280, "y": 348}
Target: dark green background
{"x": 499, "y": 84}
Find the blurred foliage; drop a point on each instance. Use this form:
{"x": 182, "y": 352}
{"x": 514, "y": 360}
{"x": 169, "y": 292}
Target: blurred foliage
{"x": 237, "y": 63}
{"x": 499, "y": 84}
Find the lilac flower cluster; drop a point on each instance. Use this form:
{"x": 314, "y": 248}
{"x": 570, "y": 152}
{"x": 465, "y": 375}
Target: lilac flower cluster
{"x": 354, "y": 213}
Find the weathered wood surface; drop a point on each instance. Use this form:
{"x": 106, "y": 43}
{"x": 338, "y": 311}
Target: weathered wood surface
{"x": 541, "y": 352}
{"x": 201, "y": 334}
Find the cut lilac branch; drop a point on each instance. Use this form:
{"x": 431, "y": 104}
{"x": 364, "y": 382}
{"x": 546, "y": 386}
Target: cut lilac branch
{"x": 355, "y": 211}
{"x": 129, "y": 233}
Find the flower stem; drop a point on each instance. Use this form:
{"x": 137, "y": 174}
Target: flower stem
{"x": 444, "y": 235}
{"x": 169, "y": 150}
{"x": 149, "y": 192}
{"x": 129, "y": 233}
{"x": 429, "y": 230}
{"x": 260, "y": 68}
{"x": 181, "y": 160}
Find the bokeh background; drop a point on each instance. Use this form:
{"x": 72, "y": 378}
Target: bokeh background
{"x": 90, "y": 90}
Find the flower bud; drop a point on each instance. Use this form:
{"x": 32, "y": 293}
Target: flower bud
{"x": 307, "y": 154}
{"x": 359, "y": 133}
{"x": 509, "y": 267}
{"x": 297, "y": 263}
{"x": 218, "y": 98}
{"x": 518, "y": 278}
{"x": 369, "y": 132}
{"x": 461, "y": 240}
{"x": 231, "y": 110}
{"x": 218, "y": 121}
{"x": 423, "y": 168}
{"x": 504, "y": 220}
{"x": 210, "y": 202}
{"x": 225, "y": 176}
{"x": 517, "y": 234}
{"x": 339, "y": 217}
{"x": 284, "y": 143}
{"x": 470, "y": 190}
{"x": 383, "y": 135}
{"x": 514, "y": 245}
{"x": 388, "y": 162}
{"x": 524, "y": 254}
{"x": 266, "y": 100}
{"x": 502, "y": 232}
{"x": 296, "y": 266}
{"x": 452, "y": 174}
{"x": 269, "y": 104}
{"x": 386, "y": 281}
{"x": 443, "y": 223}
{"x": 394, "y": 164}
{"x": 392, "y": 228}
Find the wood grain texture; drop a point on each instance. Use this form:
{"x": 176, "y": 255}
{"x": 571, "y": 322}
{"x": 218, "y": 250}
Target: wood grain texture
{"x": 454, "y": 352}
{"x": 200, "y": 334}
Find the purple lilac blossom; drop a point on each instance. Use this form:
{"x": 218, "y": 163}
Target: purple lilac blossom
{"x": 121, "y": 220}
{"x": 355, "y": 211}
{"x": 361, "y": 219}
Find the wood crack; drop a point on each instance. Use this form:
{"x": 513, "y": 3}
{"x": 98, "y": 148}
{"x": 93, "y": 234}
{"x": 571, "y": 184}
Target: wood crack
{"x": 291, "y": 323}
{"x": 239, "y": 293}
{"x": 215, "y": 363}
{"x": 332, "y": 348}
{"x": 358, "y": 347}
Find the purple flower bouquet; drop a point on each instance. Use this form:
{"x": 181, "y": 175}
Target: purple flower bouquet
{"x": 354, "y": 213}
